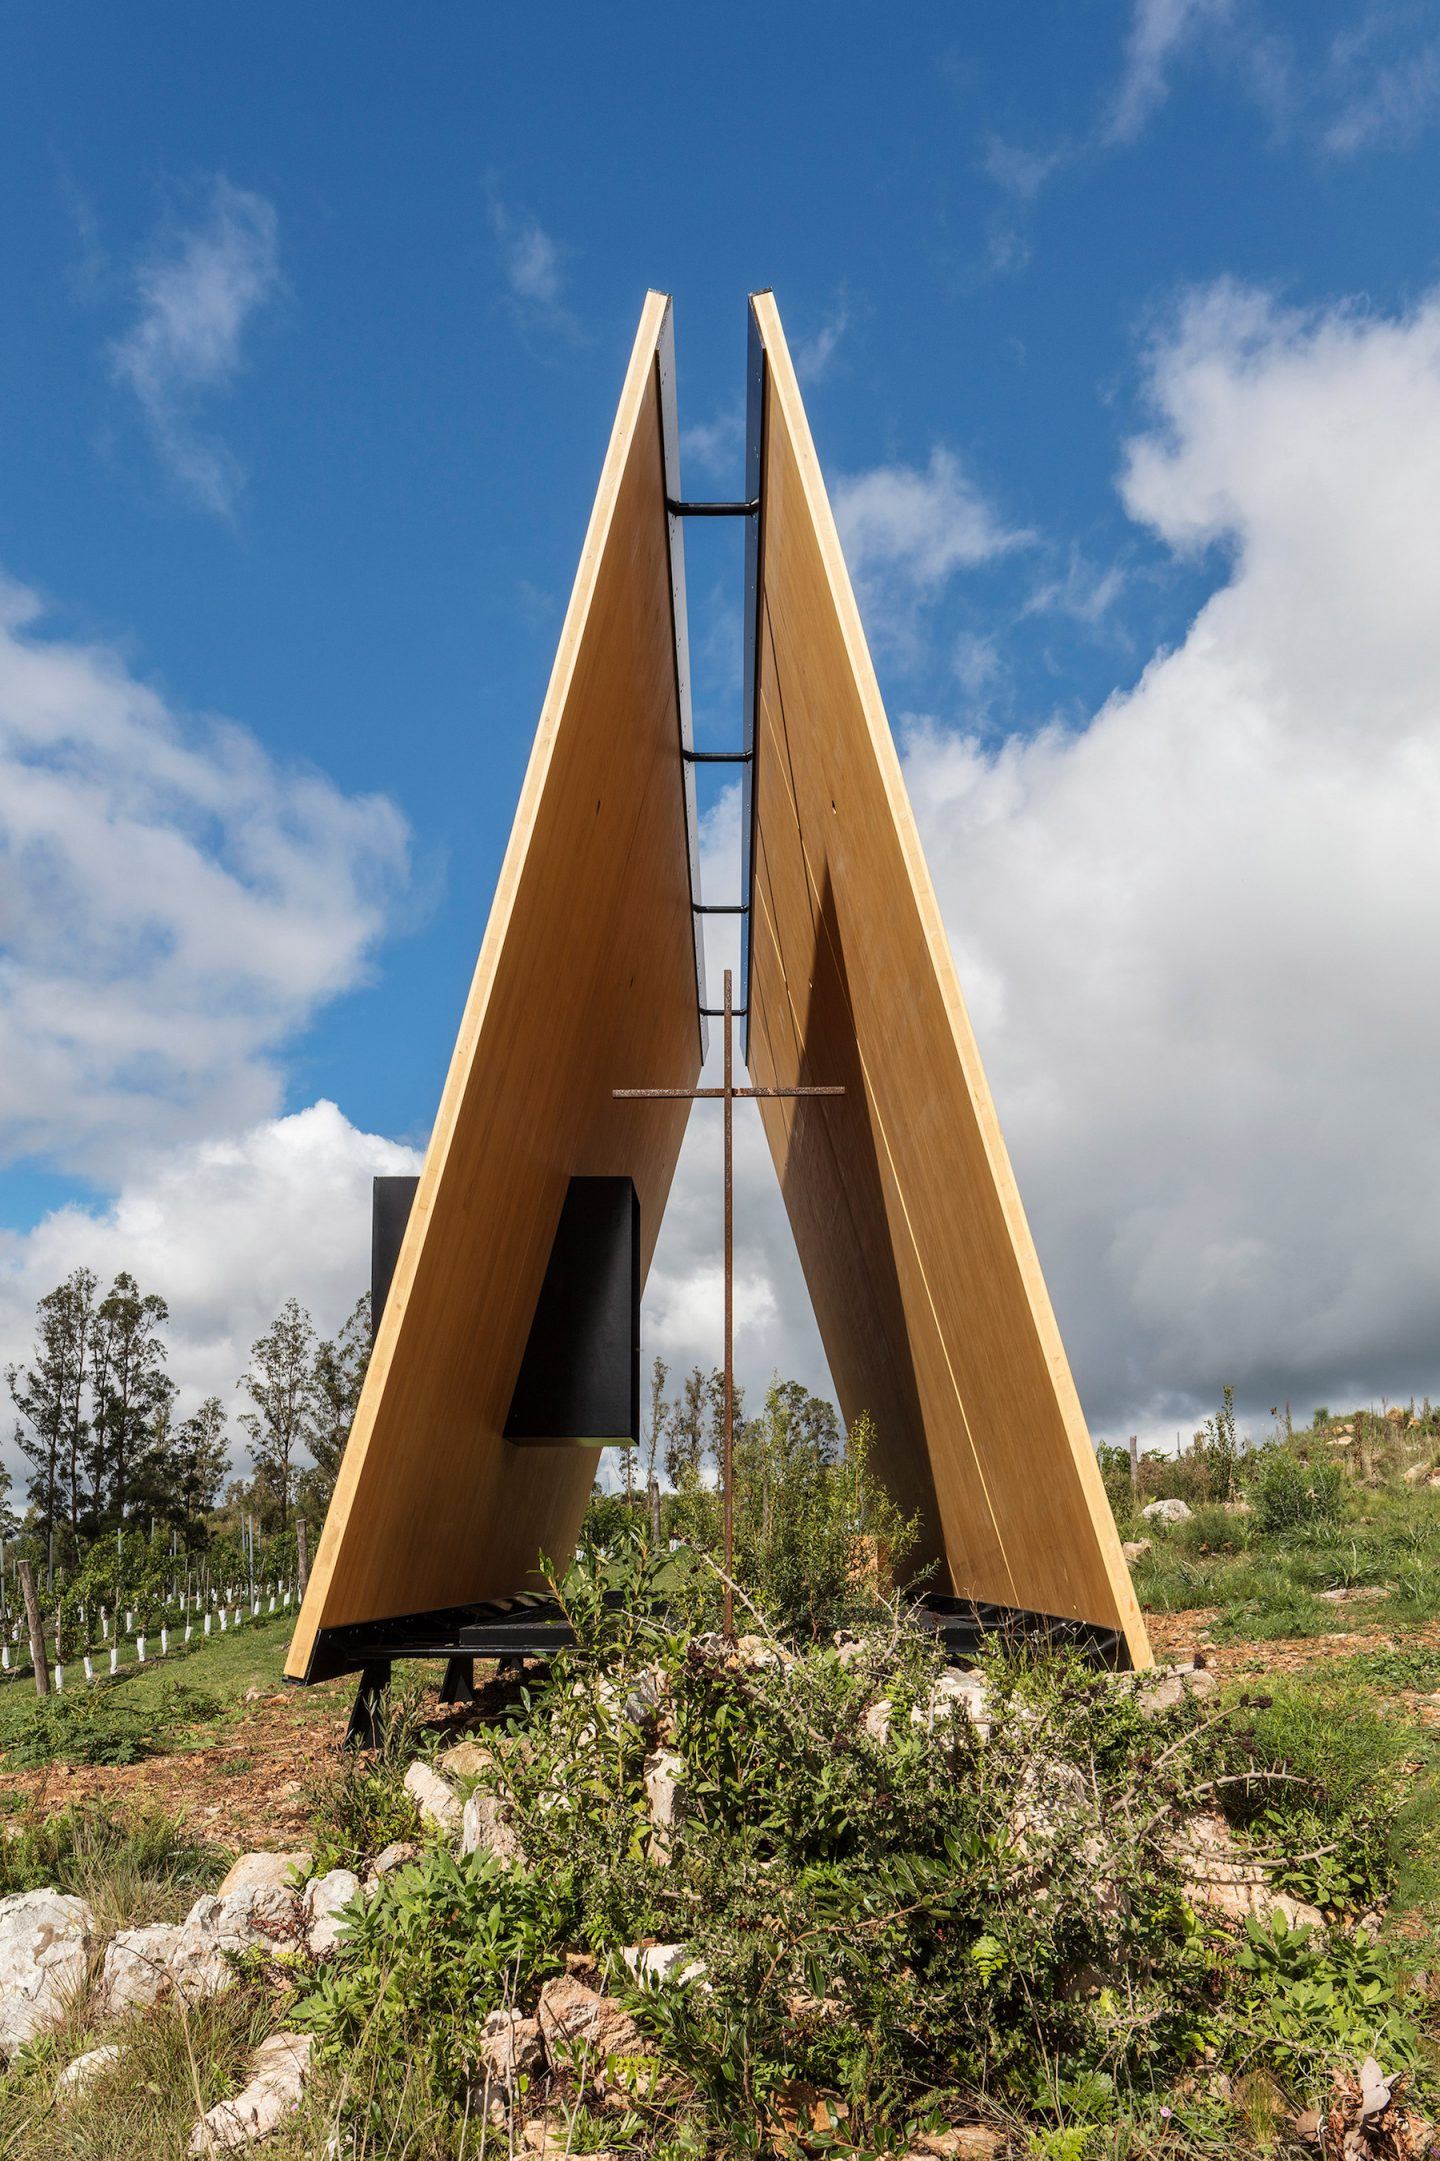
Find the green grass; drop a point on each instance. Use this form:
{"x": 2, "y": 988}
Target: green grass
{"x": 164, "y": 1705}
{"x": 134, "y": 1866}
{"x": 1266, "y": 1584}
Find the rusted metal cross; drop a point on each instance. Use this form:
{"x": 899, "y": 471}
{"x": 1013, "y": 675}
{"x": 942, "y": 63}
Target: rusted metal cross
{"x": 728, "y": 1096}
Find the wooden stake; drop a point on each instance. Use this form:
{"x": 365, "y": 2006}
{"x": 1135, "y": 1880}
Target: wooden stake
{"x": 37, "y": 1634}
{"x": 302, "y": 1557}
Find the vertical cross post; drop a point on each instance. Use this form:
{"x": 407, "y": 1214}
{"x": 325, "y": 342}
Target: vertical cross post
{"x": 729, "y": 1094}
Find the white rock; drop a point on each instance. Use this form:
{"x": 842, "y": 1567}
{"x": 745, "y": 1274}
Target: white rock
{"x": 217, "y": 1929}
{"x": 324, "y": 1902}
{"x": 664, "y": 1779}
{"x": 1163, "y": 1687}
{"x": 1135, "y": 1549}
{"x": 137, "y": 1971}
{"x": 963, "y": 1694}
{"x": 1221, "y": 1875}
{"x": 485, "y": 1828}
{"x": 278, "y": 2071}
{"x": 657, "y": 1963}
{"x": 435, "y": 1798}
{"x": 86, "y": 2068}
{"x": 876, "y": 1722}
{"x": 1168, "y": 1511}
{"x": 254, "y": 1870}
{"x": 45, "y": 1941}
{"x": 396, "y": 1855}
{"x": 509, "y": 2049}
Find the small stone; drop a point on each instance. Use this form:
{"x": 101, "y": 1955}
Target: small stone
{"x": 659, "y": 1963}
{"x": 963, "y": 2142}
{"x": 437, "y": 1801}
{"x": 485, "y": 1827}
{"x": 876, "y": 1722}
{"x": 664, "y": 1780}
{"x": 1163, "y": 1688}
{"x": 582, "y": 2029}
{"x": 396, "y": 1855}
{"x": 509, "y": 2049}
{"x": 1172, "y": 1510}
{"x": 86, "y": 2069}
{"x": 955, "y": 1693}
{"x": 253, "y": 1870}
{"x": 1135, "y": 1549}
{"x": 465, "y": 1759}
{"x": 45, "y": 1941}
{"x": 323, "y": 1905}
{"x": 1349, "y": 1593}
{"x": 278, "y": 2071}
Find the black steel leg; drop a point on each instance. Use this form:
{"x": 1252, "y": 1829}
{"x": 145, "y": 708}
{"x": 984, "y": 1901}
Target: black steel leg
{"x": 458, "y": 1685}
{"x": 366, "y": 1724}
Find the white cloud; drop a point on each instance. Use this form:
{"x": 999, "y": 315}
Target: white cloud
{"x": 225, "y": 1231}
{"x": 532, "y": 263}
{"x": 1381, "y": 102}
{"x": 906, "y": 531}
{"x": 196, "y": 293}
{"x": 176, "y": 904}
{"x": 717, "y": 446}
{"x": 813, "y": 354}
{"x": 1198, "y": 937}
{"x": 1160, "y": 33}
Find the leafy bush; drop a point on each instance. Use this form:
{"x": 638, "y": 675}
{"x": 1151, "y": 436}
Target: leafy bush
{"x": 105, "y": 1724}
{"x": 359, "y": 1805}
{"x": 1287, "y": 1494}
{"x": 443, "y": 1942}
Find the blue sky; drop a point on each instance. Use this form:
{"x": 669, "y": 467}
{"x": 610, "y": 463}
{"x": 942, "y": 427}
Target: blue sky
{"x": 315, "y": 324}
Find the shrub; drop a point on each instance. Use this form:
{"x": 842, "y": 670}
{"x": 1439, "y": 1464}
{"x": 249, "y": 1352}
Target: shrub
{"x": 1288, "y": 1495}
{"x": 443, "y": 1942}
{"x": 359, "y": 1804}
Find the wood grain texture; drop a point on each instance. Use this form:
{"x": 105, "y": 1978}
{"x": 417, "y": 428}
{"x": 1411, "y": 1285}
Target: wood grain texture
{"x": 915, "y": 1247}
{"x": 585, "y": 982}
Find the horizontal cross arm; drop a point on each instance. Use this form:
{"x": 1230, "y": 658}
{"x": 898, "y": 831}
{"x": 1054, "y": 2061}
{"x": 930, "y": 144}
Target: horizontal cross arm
{"x": 697, "y": 1095}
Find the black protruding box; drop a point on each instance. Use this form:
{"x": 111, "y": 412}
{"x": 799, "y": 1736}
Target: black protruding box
{"x": 390, "y": 1204}
{"x": 580, "y": 1376}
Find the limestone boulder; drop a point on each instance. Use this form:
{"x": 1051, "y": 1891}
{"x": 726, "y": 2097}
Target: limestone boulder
{"x": 323, "y": 1905}
{"x": 138, "y": 1969}
{"x": 85, "y": 2070}
{"x": 434, "y": 1796}
{"x": 1164, "y": 1688}
{"x": 45, "y": 1942}
{"x": 257, "y": 1871}
{"x": 655, "y": 1965}
{"x": 485, "y": 1827}
{"x": 274, "y": 2090}
{"x": 398, "y": 1854}
{"x": 665, "y": 1800}
{"x": 1172, "y": 1510}
{"x": 1221, "y": 1875}
{"x": 585, "y": 2031}
{"x": 1135, "y": 1549}
{"x": 955, "y": 1695}
{"x": 508, "y": 2050}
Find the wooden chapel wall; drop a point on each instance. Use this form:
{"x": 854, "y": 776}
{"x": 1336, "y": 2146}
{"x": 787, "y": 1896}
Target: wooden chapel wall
{"x": 915, "y": 1247}
{"x": 586, "y": 981}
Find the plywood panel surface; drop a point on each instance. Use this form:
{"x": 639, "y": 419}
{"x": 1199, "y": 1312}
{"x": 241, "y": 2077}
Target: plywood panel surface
{"x": 585, "y": 982}
{"x": 916, "y": 1251}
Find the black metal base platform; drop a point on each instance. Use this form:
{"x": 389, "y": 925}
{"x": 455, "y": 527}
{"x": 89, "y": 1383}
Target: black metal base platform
{"x": 512, "y": 1629}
